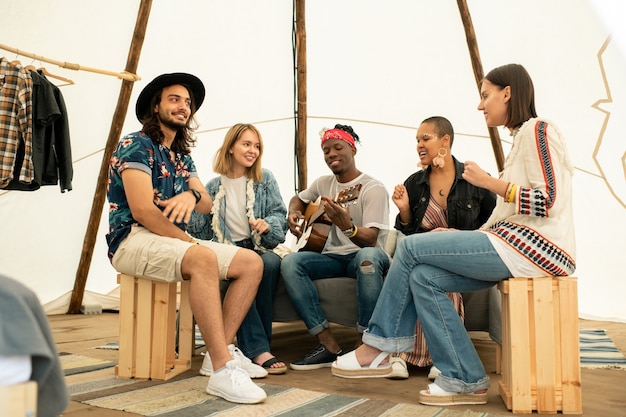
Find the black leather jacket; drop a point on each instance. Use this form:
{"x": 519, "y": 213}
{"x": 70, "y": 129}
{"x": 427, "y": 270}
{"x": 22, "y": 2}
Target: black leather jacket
{"x": 468, "y": 206}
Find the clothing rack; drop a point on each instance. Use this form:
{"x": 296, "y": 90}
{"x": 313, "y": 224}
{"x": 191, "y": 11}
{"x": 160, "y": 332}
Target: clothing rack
{"x": 76, "y": 67}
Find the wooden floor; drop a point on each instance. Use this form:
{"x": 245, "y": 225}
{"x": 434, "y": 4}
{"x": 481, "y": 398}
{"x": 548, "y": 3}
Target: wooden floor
{"x": 604, "y": 390}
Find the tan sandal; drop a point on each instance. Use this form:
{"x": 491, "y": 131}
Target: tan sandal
{"x": 279, "y": 370}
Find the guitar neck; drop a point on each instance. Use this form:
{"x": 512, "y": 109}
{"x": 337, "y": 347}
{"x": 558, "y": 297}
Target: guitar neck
{"x": 319, "y": 213}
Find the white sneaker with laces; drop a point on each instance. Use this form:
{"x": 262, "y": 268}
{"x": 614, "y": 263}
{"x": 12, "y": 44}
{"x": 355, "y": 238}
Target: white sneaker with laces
{"x": 233, "y": 384}
{"x": 399, "y": 369}
{"x": 253, "y": 370}
{"x": 433, "y": 373}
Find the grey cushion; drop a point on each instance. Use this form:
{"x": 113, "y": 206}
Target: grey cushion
{"x": 338, "y": 300}
{"x": 483, "y": 312}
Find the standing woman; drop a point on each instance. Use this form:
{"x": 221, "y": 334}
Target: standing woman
{"x": 529, "y": 234}
{"x": 248, "y": 211}
{"x": 437, "y": 199}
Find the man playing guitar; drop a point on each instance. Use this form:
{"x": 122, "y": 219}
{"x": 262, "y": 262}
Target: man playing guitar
{"x": 353, "y": 248}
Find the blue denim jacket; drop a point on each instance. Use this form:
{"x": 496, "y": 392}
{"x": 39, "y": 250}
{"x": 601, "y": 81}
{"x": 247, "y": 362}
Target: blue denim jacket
{"x": 267, "y": 202}
{"x": 469, "y": 206}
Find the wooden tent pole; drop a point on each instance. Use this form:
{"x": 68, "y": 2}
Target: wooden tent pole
{"x": 301, "y": 148}
{"x": 114, "y": 135}
{"x": 472, "y": 45}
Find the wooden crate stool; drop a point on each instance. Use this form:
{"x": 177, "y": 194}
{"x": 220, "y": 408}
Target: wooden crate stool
{"x": 540, "y": 345}
{"x": 147, "y": 346}
{"x": 19, "y": 400}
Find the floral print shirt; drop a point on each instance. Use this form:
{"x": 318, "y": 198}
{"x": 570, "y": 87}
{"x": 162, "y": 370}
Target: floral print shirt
{"x": 169, "y": 178}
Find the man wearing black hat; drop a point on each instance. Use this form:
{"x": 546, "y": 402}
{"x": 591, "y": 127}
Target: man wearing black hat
{"x": 153, "y": 188}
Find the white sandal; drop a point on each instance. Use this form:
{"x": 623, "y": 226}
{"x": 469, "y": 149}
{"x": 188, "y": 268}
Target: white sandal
{"x": 435, "y": 395}
{"x": 348, "y": 366}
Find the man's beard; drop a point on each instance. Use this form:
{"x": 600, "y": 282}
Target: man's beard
{"x": 173, "y": 124}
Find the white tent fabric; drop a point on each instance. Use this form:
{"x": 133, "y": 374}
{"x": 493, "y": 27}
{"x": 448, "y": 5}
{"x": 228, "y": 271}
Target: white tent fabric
{"x": 381, "y": 67}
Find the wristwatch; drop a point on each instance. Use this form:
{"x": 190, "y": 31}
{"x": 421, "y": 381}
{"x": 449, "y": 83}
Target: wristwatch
{"x": 350, "y": 231}
{"x": 196, "y": 194}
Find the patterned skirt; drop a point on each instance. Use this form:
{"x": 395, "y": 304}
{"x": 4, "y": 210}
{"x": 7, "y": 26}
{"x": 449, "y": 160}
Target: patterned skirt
{"x": 420, "y": 355}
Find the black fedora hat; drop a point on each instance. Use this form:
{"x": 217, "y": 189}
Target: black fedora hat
{"x": 165, "y": 80}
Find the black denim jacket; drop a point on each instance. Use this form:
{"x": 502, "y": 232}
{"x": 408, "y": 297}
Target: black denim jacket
{"x": 468, "y": 206}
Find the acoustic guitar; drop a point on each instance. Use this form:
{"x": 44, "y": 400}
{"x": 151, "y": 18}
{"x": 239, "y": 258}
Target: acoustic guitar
{"x": 316, "y": 224}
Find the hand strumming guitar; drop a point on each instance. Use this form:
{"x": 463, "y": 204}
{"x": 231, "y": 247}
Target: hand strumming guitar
{"x": 312, "y": 227}
{"x": 294, "y": 221}
{"x": 335, "y": 213}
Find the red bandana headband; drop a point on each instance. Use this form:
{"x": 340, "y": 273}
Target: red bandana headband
{"x": 338, "y": 134}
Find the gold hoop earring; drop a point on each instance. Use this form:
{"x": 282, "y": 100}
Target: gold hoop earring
{"x": 439, "y": 160}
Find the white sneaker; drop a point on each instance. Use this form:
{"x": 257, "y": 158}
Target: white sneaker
{"x": 398, "y": 368}
{"x": 433, "y": 373}
{"x": 253, "y": 370}
{"x": 233, "y": 384}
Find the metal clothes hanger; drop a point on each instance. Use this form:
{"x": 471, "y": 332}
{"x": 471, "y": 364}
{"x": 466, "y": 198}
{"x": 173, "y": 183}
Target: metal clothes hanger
{"x": 30, "y": 67}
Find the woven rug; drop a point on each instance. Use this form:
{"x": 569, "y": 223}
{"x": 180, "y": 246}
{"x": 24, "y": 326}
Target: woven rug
{"x": 597, "y": 350}
{"x": 77, "y": 364}
{"x": 185, "y": 396}
{"x": 199, "y": 342}
{"x": 92, "y": 381}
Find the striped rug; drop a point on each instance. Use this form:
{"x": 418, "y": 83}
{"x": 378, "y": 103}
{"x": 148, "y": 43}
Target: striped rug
{"x": 77, "y": 364}
{"x": 597, "y": 350}
{"x": 199, "y": 342}
{"x": 186, "y": 397}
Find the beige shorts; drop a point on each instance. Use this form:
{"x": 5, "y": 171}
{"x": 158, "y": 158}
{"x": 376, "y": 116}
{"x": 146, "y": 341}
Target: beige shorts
{"x": 145, "y": 254}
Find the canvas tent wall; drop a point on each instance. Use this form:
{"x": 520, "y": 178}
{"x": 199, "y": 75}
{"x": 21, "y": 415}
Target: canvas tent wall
{"x": 380, "y": 66}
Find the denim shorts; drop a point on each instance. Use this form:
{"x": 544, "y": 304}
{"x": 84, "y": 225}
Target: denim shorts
{"x": 146, "y": 254}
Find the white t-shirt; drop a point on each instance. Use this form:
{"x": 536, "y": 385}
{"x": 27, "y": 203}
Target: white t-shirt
{"x": 370, "y": 209}
{"x": 236, "y": 218}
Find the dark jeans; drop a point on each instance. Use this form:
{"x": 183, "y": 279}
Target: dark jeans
{"x": 255, "y": 333}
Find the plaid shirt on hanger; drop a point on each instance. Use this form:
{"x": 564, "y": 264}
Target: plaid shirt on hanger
{"x": 16, "y": 122}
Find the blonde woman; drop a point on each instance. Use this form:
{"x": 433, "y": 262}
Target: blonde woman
{"x": 248, "y": 211}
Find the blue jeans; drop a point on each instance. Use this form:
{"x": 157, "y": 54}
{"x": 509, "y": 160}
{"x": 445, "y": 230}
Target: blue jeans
{"x": 255, "y": 333}
{"x": 425, "y": 266}
{"x": 299, "y": 270}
